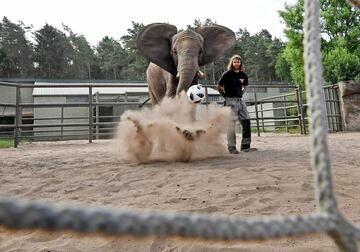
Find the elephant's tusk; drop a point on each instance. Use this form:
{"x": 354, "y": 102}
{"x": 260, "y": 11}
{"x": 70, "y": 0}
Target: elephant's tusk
{"x": 177, "y": 76}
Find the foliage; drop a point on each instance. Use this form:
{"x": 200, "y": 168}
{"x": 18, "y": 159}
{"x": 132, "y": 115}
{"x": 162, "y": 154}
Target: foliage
{"x": 136, "y": 63}
{"x": 111, "y": 58}
{"x": 15, "y": 49}
{"x": 65, "y": 54}
{"x": 340, "y": 64}
{"x": 52, "y": 53}
{"x": 340, "y": 37}
{"x": 82, "y": 56}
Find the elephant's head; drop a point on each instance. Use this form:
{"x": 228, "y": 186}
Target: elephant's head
{"x": 182, "y": 53}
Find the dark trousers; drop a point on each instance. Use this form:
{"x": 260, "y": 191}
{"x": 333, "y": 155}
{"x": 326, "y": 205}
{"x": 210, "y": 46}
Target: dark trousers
{"x": 246, "y": 134}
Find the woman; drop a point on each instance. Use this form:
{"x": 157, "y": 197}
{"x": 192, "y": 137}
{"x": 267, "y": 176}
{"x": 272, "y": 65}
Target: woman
{"x": 231, "y": 86}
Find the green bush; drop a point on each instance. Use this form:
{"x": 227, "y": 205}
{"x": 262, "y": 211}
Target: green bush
{"x": 340, "y": 64}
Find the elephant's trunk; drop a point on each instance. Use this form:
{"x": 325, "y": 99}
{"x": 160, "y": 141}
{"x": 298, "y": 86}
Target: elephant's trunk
{"x": 187, "y": 75}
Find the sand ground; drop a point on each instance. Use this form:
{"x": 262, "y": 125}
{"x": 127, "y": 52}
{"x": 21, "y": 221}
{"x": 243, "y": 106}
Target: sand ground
{"x": 277, "y": 179}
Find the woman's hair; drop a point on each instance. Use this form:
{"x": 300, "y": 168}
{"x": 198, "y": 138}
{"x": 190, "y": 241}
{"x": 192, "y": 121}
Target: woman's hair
{"x": 230, "y": 65}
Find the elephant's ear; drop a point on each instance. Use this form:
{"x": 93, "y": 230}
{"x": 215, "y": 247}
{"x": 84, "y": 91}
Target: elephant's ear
{"x": 217, "y": 41}
{"x": 154, "y": 42}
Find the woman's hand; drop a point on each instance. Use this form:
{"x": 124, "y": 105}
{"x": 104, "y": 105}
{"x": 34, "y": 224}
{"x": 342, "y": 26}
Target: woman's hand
{"x": 221, "y": 90}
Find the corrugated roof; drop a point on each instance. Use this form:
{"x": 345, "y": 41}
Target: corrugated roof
{"x": 49, "y": 91}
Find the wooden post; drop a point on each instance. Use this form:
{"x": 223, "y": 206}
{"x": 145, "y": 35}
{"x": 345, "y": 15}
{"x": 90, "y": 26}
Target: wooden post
{"x": 285, "y": 115}
{"x": 206, "y": 97}
{"x": 90, "y": 116}
{"x": 302, "y": 114}
{"x": 298, "y": 108}
{"x": 97, "y": 110}
{"x": 17, "y": 116}
{"x": 262, "y": 116}
{"x": 62, "y": 122}
{"x": 256, "y": 113}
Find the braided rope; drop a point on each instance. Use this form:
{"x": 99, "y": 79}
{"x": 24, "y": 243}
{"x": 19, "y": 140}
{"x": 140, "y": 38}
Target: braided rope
{"x": 316, "y": 99}
{"x": 23, "y": 214}
{"x": 344, "y": 234}
{"x": 27, "y": 214}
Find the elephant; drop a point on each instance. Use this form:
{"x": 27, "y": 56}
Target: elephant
{"x": 175, "y": 57}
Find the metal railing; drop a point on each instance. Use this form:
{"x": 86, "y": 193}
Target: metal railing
{"x": 271, "y": 113}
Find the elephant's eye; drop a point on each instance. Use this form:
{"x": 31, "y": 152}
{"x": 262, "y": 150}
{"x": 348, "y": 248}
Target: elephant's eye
{"x": 175, "y": 51}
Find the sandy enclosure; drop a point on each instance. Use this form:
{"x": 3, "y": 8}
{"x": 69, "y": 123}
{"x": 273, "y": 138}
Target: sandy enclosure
{"x": 277, "y": 179}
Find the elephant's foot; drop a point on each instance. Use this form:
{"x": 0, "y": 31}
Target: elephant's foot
{"x": 190, "y": 135}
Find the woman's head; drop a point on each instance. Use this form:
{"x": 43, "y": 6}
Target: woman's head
{"x": 236, "y": 63}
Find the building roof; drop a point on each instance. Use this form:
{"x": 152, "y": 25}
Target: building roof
{"x": 63, "y": 91}
{"x": 67, "y": 91}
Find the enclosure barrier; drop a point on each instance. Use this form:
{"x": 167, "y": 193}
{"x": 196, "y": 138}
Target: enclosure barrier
{"x": 24, "y": 214}
{"x": 286, "y": 111}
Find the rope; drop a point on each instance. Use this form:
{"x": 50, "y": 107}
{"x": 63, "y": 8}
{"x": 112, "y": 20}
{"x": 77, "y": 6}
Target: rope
{"x": 30, "y": 214}
{"x": 344, "y": 234}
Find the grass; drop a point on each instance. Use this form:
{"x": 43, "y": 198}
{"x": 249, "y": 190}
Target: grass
{"x": 6, "y": 143}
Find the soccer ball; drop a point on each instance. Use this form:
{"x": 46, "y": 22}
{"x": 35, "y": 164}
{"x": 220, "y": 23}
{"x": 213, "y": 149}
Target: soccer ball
{"x": 196, "y": 93}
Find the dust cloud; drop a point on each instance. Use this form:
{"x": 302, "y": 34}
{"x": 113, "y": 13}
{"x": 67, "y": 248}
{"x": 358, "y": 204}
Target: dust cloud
{"x": 174, "y": 130}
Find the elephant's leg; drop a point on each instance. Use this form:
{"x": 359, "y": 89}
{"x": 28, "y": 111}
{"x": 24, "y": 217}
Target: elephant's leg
{"x": 156, "y": 82}
{"x": 153, "y": 98}
{"x": 171, "y": 84}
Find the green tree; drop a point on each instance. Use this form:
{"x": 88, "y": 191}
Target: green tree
{"x": 111, "y": 58}
{"x": 293, "y": 53}
{"x": 15, "y": 50}
{"x": 282, "y": 68}
{"x": 52, "y": 53}
{"x": 82, "y": 57}
{"x": 136, "y": 63}
{"x": 340, "y": 64}
{"x": 259, "y": 52}
{"x": 340, "y": 33}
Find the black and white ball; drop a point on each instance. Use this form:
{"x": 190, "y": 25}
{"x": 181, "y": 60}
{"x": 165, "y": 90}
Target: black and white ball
{"x": 196, "y": 93}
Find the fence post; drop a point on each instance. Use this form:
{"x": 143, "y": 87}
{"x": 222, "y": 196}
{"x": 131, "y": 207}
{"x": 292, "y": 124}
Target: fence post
{"x": 299, "y": 109}
{"x": 17, "y": 116}
{"x": 336, "y": 106}
{"x": 302, "y": 110}
{"x": 285, "y": 115}
{"x": 206, "y": 97}
{"x": 62, "y": 122}
{"x": 341, "y": 116}
{"x": 256, "y": 113}
{"x": 90, "y": 116}
{"x": 262, "y": 116}
{"x": 331, "y": 112}
{"x": 97, "y": 110}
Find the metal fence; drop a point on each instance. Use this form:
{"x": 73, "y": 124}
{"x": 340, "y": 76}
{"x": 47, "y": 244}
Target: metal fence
{"x": 285, "y": 112}
{"x": 293, "y": 110}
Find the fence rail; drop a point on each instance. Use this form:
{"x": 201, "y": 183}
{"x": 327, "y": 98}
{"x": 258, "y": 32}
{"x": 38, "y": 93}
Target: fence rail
{"x": 274, "y": 112}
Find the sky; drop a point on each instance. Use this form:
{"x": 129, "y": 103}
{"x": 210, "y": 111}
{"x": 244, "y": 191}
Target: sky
{"x": 97, "y": 19}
